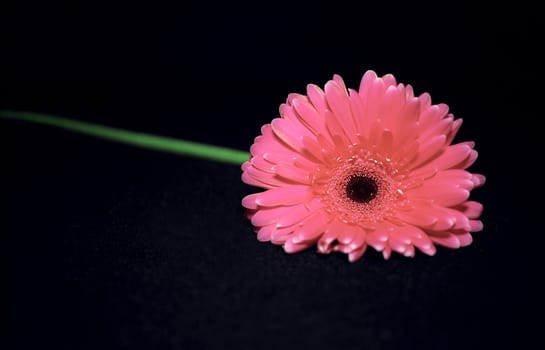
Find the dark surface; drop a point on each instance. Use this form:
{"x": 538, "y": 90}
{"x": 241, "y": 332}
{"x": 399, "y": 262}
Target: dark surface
{"x": 107, "y": 246}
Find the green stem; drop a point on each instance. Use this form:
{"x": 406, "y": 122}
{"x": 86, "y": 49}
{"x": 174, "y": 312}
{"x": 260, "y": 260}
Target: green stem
{"x": 143, "y": 140}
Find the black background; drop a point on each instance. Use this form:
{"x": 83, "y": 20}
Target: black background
{"x": 109, "y": 246}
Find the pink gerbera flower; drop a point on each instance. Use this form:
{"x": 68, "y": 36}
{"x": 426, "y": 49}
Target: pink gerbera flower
{"x": 350, "y": 169}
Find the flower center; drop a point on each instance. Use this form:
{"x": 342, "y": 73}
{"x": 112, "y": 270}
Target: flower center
{"x": 358, "y": 190}
{"x": 361, "y": 188}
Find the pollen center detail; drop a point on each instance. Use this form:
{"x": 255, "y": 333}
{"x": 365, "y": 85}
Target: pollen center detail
{"x": 358, "y": 190}
{"x": 361, "y": 188}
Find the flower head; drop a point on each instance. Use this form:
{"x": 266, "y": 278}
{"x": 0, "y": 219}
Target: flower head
{"x": 346, "y": 169}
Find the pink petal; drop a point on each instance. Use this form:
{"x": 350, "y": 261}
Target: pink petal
{"x": 431, "y": 115}
{"x": 461, "y": 220}
{"x": 339, "y": 81}
{"x": 295, "y": 96}
{"x": 387, "y": 252}
{"x": 377, "y": 239}
{"x": 264, "y": 233}
{"x": 288, "y": 133}
{"x": 292, "y": 174}
{"x": 343, "y": 248}
{"x": 409, "y": 92}
{"x": 442, "y": 127}
{"x": 468, "y": 161}
{"x": 341, "y": 146}
{"x": 287, "y": 113}
{"x": 389, "y": 79}
{"x": 478, "y": 180}
{"x": 298, "y": 124}
{"x": 447, "y": 195}
{"x": 288, "y": 195}
{"x": 268, "y": 142}
{"x": 334, "y": 126}
{"x": 471, "y": 209}
{"x": 454, "y": 130}
{"x": 409, "y": 252}
{"x": 330, "y": 236}
{"x": 417, "y": 217}
{"x": 451, "y": 175}
{"x": 291, "y": 248}
{"x": 281, "y": 216}
{"x": 356, "y": 254}
{"x": 289, "y": 158}
{"x": 249, "y": 201}
{"x": 254, "y": 181}
{"x": 351, "y": 233}
{"x": 425, "y": 100}
{"x": 406, "y": 126}
{"x": 282, "y": 157}
{"x": 476, "y": 225}
{"x": 367, "y": 81}
{"x": 311, "y": 228}
{"x": 429, "y": 149}
{"x": 280, "y": 235}
{"x": 398, "y": 243}
{"x": 316, "y": 97}
{"x": 356, "y": 105}
{"x": 339, "y": 103}
{"x": 268, "y": 217}
{"x": 405, "y": 156}
{"x": 444, "y": 222}
{"x": 465, "y": 239}
{"x": 375, "y": 131}
{"x": 358, "y": 239}
{"x": 419, "y": 238}
{"x": 428, "y": 249}
{"x": 314, "y": 150}
{"x": 310, "y": 117}
{"x": 391, "y": 105}
{"x": 455, "y": 178}
{"x": 262, "y": 164}
{"x": 452, "y": 157}
{"x": 446, "y": 239}
{"x": 372, "y": 105}
{"x": 253, "y": 176}
{"x": 386, "y": 143}
{"x": 446, "y": 218}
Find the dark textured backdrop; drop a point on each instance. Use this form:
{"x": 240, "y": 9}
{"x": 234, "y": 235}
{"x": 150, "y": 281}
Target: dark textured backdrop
{"x": 107, "y": 246}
